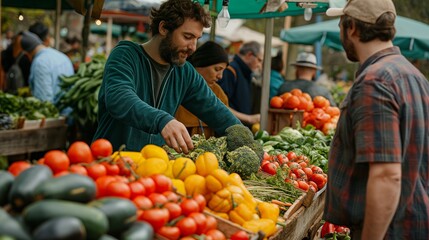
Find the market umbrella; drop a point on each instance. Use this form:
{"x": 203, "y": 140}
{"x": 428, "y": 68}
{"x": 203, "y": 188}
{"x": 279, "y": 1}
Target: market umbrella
{"x": 412, "y": 37}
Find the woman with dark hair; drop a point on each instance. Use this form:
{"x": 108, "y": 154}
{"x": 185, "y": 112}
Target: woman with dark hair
{"x": 276, "y": 78}
{"x": 210, "y": 60}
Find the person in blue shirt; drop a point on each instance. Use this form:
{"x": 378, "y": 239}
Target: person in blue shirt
{"x": 276, "y": 78}
{"x": 47, "y": 65}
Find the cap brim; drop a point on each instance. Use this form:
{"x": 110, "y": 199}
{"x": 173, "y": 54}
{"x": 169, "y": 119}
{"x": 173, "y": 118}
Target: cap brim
{"x": 335, "y": 12}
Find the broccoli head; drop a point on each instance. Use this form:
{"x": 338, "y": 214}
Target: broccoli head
{"x": 237, "y": 136}
{"x": 243, "y": 161}
{"x": 257, "y": 148}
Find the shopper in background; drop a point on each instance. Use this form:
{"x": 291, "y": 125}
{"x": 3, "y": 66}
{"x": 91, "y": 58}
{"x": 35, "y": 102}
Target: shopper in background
{"x": 143, "y": 85}
{"x": 305, "y": 72}
{"x": 42, "y": 31}
{"x": 210, "y": 60}
{"x": 276, "y": 78}
{"x": 378, "y": 179}
{"x": 237, "y": 79}
{"x": 47, "y": 65}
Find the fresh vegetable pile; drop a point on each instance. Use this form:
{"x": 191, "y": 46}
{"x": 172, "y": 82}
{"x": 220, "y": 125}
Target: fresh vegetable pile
{"x": 81, "y": 90}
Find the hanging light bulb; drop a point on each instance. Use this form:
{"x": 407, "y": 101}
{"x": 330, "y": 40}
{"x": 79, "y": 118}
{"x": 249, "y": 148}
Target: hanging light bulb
{"x": 308, "y": 13}
{"x": 223, "y": 17}
{"x": 206, "y": 5}
{"x": 98, "y": 22}
{"x": 20, "y": 16}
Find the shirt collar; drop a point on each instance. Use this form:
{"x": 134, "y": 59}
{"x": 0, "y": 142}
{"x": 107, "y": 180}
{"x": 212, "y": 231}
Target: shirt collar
{"x": 377, "y": 56}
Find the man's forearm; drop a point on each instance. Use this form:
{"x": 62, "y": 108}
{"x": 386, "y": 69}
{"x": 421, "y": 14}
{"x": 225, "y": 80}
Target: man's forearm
{"x": 382, "y": 198}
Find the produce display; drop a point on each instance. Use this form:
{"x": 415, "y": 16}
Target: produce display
{"x": 81, "y": 90}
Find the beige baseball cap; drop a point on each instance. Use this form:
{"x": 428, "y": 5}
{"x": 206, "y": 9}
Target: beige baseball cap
{"x": 364, "y": 10}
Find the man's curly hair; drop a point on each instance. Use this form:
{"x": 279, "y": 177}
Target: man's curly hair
{"x": 175, "y": 12}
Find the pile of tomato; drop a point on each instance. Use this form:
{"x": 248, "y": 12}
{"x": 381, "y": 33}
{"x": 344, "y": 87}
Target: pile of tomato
{"x": 317, "y": 110}
{"x": 299, "y": 172}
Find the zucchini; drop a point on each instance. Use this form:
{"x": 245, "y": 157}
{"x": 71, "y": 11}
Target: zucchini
{"x": 11, "y": 228}
{"x": 6, "y": 180}
{"x": 94, "y": 220}
{"x": 71, "y": 187}
{"x": 120, "y": 212}
{"x": 60, "y": 228}
{"x": 22, "y": 192}
{"x": 138, "y": 231}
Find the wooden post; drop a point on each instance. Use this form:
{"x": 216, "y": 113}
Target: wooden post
{"x": 287, "y": 23}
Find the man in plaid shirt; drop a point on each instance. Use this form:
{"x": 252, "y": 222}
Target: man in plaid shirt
{"x": 378, "y": 165}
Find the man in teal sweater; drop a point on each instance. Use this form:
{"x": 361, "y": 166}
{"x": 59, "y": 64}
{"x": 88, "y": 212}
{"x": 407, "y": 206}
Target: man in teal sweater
{"x": 143, "y": 85}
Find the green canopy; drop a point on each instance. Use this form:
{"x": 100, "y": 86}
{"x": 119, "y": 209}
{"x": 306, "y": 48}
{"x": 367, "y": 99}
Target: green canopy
{"x": 250, "y": 9}
{"x": 412, "y": 37}
{"x": 32, "y": 4}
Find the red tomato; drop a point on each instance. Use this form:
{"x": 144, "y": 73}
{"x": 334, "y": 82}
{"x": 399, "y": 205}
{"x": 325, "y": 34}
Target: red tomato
{"x": 266, "y": 156}
{"x": 319, "y": 179}
{"x": 148, "y": 184}
{"x": 314, "y": 185}
{"x": 169, "y": 232}
{"x": 327, "y": 228}
{"x": 118, "y": 189}
{"x": 157, "y": 217}
{"x": 300, "y": 174}
{"x": 215, "y": 234}
{"x": 101, "y": 148}
{"x": 102, "y": 183}
{"x": 111, "y": 169}
{"x": 282, "y": 159}
{"x": 201, "y": 200}
{"x": 269, "y": 168}
{"x": 162, "y": 183}
{"x": 125, "y": 164}
{"x": 211, "y": 223}
{"x": 291, "y": 156}
{"x": 96, "y": 170}
{"x": 79, "y": 152}
{"x": 57, "y": 161}
{"x": 189, "y": 206}
{"x": 303, "y": 185}
{"x": 171, "y": 196}
{"x": 317, "y": 169}
{"x": 62, "y": 173}
{"x": 308, "y": 172}
{"x": 78, "y": 169}
{"x": 136, "y": 189}
{"x": 187, "y": 226}
{"x": 143, "y": 202}
{"x": 174, "y": 210}
{"x": 41, "y": 161}
{"x": 158, "y": 198}
{"x": 200, "y": 220}
{"x": 240, "y": 235}
{"x": 17, "y": 167}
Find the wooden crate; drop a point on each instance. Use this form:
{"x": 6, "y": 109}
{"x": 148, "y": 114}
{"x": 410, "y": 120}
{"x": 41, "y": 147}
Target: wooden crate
{"x": 280, "y": 118}
{"x": 302, "y": 220}
{"x": 23, "y": 141}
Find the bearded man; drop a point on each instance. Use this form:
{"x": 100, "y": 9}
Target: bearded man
{"x": 143, "y": 85}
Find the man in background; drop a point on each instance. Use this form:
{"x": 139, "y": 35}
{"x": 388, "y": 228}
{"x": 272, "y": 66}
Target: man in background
{"x": 305, "y": 71}
{"x": 237, "y": 79}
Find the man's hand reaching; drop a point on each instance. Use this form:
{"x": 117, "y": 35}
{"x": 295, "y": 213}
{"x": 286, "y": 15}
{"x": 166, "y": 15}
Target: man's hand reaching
{"x": 177, "y": 137}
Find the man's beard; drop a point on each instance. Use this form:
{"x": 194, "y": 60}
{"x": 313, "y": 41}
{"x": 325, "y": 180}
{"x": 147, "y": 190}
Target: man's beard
{"x": 170, "y": 53}
{"x": 349, "y": 48}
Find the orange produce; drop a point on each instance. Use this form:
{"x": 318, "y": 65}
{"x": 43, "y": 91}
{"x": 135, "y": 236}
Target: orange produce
{"x": 79, "y": 152}
{"x": 276, "y": 102}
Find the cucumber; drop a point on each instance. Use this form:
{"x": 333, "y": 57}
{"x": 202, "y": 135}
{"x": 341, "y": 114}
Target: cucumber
{"x": 22, "y": 192}
{"x": 120, "y": 212}
{"x": 60, "y": 228}
{"x": 71, "y": 187}
{"x": 6, "y": 180}
{"x": 11, "y": 228}
{"x": 94, "y": 220}
{"x": 138, "y": 231}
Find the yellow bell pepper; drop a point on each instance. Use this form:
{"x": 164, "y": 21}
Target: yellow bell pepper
{"x": 268, "y": 226}
{"x": 236, "y": 180}
{"x": 219, "y": 214}
{"x": 206, "y": 163}
{"x": 241, "y": 214}
{"x": 183, "y": 167}
{"x": 236, "y": 195}
{"x": 154, "y": 151}
{"x": 221, "y": 201}
{"x": 152, "y": 166}
{"x": 169, "y": 171}
{"x": 195, "y": 184}
{"x": 179, "y": 185}
{"x": 217, "y": 180}
{"x": 268, "y": 211}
